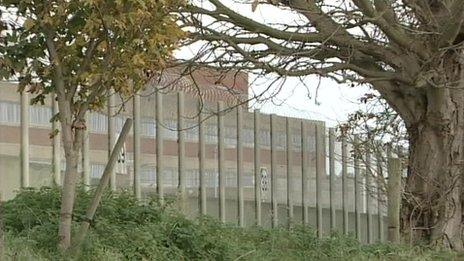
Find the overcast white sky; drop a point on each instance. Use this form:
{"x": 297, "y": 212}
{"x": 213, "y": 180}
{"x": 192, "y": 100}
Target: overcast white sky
{"x": 333, "y": 102}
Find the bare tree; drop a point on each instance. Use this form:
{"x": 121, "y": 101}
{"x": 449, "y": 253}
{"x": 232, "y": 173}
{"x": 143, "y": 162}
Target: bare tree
{"x": 409, "y": 51}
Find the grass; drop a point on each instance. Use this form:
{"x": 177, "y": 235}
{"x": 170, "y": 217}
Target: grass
{"x": 125, "y": 229}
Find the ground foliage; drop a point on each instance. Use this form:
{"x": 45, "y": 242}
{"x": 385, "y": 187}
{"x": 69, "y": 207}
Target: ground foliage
{"x": 125, "y": 229}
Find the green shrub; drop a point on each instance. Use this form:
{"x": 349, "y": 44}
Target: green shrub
{"x": 125, "y": 229}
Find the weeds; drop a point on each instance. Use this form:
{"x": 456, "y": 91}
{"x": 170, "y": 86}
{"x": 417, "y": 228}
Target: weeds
{"x": 125, "y": 229}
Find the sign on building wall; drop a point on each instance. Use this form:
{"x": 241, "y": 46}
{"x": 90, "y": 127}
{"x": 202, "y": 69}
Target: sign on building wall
{"x": 264, "y": 182}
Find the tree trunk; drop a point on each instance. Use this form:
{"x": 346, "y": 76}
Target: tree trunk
{"x": 433, "y": 195}
{"x": 71, "y": 143}
{"x": 67, "y": 199}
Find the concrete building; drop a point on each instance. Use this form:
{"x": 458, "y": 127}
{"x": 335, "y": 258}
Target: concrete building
{"x": 202, "y": 90}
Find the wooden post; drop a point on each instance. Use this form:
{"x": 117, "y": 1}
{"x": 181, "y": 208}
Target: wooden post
{"x": 221, "y": 161}
{"x": 379, "y": 197}
{"x": 320, "y": 173}
{"x": 394, "y": 199}
{"x": 274, "y": 175}
{"x": 304, "y": 174}
{"x": 111, "y": 135}
{"x": 159, "y": 146}
{"x": 289, "y": 172}
{"x": 345, "y": 185}
{"x": 332, "y": 178}
{"x": 56, "y": 148}
{"x": 241, "y": 203}
{"x": 86, "y": 156}
{"x": 357, "y": 192}
{"x": 181, "y": 150}
{"x": 369, "y": 197}
{"x": 201, "y": 159}
{"x": 24, "y": 151}
{"x": 102, "y": 184}
{"x": 136, "y": 136}
{"x": 257, "y": 167}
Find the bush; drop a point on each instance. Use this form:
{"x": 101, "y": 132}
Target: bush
{"x": 125, "y": 229}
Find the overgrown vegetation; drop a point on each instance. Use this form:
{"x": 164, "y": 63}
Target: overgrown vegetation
{"x": 125, "y": 229}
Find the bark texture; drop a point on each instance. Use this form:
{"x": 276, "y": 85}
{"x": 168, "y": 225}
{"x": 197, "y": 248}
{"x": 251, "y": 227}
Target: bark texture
{"x": 433, "y": 199}
{"x": 72, "y": 141}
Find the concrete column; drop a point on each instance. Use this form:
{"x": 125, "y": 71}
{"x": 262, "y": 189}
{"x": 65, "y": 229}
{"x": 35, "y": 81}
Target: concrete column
{"x": 221, "y": 161}
{"x": 241, "y": 203}
{"x": 357, "y": 192}
{"x": 181, "y": 150}
{"x": 56, "y": 147}
{"x": 332, "y": 187}
{"x": 304, "y": 173}
{"x": 289, "y": 170}
{"x": 136, "y": 137}
{"x": 369, "y": 197}
{"x": 86, "y": 156}
{"x": 274, "y": 175}
{"x": 379, "y": 198}
{"x": 257, "y": 167}
{"x": 320, "y": 174}
{"x": 345, "y": 185}
{"x": 24, "y": 149}
{"x": 159, "y": 146}
{"x": 111, "y": 105}
{"x": 201, "y": 158}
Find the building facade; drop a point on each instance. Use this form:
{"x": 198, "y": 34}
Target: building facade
{"x": 282, "y": 142}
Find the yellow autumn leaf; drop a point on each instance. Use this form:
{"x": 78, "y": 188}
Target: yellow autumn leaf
{"x": 138, "y": 60}
{"x": 28, "y": 24}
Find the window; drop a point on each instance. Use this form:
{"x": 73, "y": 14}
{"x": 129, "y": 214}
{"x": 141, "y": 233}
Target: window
{"x": 230, "y": 137}
{"x": 248, "y": 137}
{"x": 98, "y": 123}
{"x": 296, "y": 142}
{"x": 118, "y": 123}
{"x": 148, "y": 175}
{"x": 280, "y": 140}
{"x": 96, "y": 170}
{"x": 231, "y": 178}
{"x": 191, "y": 132}
{"x": 212, "y": 178}
{"x": 147, "y": 127}
{"x": 310, "y": 140}
{"x": 10, "y": 113}
{"x": 170, "y": 132}
{"x": 40, "y": 115}
{"x": 248, "y": 179}
{"x": 211, "y": 134}
{"x": 170, "y": 177}
{"x": 265, "y": 138}
{"x": 191, "y": 178}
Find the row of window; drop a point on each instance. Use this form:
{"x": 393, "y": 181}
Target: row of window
{"x": 98, "y": 123}
{"x": 171, "y": 177}
{"x": 10, "y": 113}
{"x": 148, "y": 176}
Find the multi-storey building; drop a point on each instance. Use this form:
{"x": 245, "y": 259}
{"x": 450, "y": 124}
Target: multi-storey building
{"x": 279, "y": 146}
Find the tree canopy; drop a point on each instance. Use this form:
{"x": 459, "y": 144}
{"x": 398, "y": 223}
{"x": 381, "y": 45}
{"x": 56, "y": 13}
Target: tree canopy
{"x": 92, "y": 45}
{"x": 82, "y": 51}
